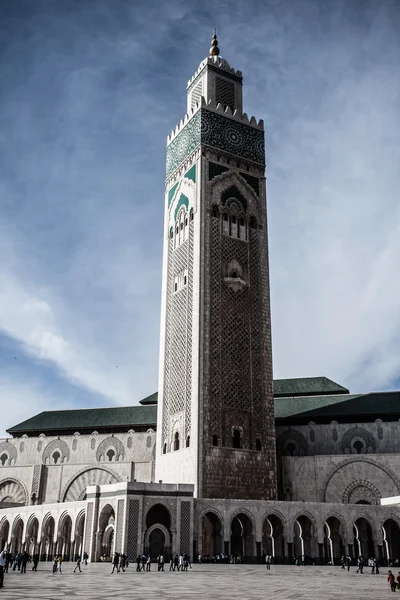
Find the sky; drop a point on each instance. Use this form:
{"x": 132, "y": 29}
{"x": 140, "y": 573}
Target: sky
{"x": 89, "y": 92}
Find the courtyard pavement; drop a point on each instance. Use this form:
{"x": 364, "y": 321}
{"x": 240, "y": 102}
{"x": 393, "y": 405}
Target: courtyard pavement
{"x": 216, "y": 582}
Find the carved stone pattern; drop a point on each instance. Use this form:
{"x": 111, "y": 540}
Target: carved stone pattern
{"x": 111, "y": 442}
{"x": 37, "y": 472}
{"x": 189, "y": 335}
{"x": 148, "y": 441}
{"x": 312, "y": 435}
{"x": 185, "y": 528}
{"x": 178, "y": 337}
{"x": 133, "y": 530}
{"x": 216, "y": 130}
{"x": 89, "y": 526}
{"x": 288, "y": 435}
{"x": 361, "y": 489}
{"x": 348, "y": 461}
{"x": 12, "y": 488}
{"x": 21, "y": 447}
{"x": 129, "y": 443}
{"x": 10, "y": 450}
{"x": 167, "y": 350}
{"x": 74, "y": 444}
{"x": 120, "y": 523}
{"x": 92, "y": 443}
{"x": 225, "y": 92}
{"x": 75, "y": 488}
{"x": 335, "y": 434}
{"x": 56, "y": 445}
{"x": 39, "y": 446}
{"x": 380, "y": 432}
{"x": 358, "y": 432}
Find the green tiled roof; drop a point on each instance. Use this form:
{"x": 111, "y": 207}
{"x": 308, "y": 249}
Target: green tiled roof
{"x": 346, "y": 406}
{"x": 152, "y": 399}
{"x": 307, "y": 386}
{"x": 89, "y": 419}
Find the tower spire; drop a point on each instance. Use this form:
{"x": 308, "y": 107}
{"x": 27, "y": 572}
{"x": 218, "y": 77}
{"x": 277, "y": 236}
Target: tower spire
{"x": 214, "y": 50}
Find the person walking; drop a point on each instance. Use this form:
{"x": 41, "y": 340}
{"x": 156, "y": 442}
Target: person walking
{"x": 160, "y": 562}
{"x": 35, "y": 560}
{"x": 360, "y": 564}
{"x": 59, "y": 564}
{"x": 55, "y": 562}
{"x": 78, "y": 565}
{"x": 372, "y": 563}
{"x": 24, "y": 560}
{"x": 85, "y": 558}
{"x": 138, "y": 563}
{"x": 398, "y": 580}
{"x": 176, "y": 563}
{"x": 268, "y": 562}
{"x": 3, "y": 558}
{"x": 148, "y": 563}
{"x": 115, "y": 562}
{"x": 391, "y": 581}
{"x": 122, "y": 562}
{"x": 376, "y": 566}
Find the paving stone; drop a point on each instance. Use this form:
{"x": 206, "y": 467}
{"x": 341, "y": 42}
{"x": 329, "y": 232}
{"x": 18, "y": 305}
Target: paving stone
{"x": 219, "y": 582}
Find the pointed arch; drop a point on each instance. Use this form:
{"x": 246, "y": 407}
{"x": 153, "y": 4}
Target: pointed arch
{"x": 75, "y": 487}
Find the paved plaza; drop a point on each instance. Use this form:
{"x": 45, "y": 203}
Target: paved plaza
{"x": 219, "y": 582}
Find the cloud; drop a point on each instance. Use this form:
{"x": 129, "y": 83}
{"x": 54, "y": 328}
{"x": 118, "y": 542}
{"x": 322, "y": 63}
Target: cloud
{"x": 82, "y": 146}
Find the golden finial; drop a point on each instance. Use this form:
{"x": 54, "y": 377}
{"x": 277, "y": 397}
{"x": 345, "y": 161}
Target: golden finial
{"x": 214, "y": 50}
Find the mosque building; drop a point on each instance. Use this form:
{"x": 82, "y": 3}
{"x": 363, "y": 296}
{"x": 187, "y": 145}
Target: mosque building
{"x": 223, "y": 459}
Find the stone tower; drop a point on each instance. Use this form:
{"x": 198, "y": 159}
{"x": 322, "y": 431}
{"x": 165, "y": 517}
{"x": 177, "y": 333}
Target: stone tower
{"x": 215, "y": 425}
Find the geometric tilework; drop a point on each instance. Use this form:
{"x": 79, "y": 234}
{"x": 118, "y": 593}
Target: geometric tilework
{"x": 133, "y": 530}
{"x": 120, "y": 523}
{"x": 213, "y": 129}
{"x": 185, "y": 528}
{"x": 89, "y": 525}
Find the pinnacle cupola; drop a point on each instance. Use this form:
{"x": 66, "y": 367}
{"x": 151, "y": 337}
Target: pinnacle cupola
{"x": 216, "y": 81}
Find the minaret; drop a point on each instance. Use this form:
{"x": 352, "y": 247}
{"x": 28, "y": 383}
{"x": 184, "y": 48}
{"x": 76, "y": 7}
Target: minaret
{"x": 215, "y": 425}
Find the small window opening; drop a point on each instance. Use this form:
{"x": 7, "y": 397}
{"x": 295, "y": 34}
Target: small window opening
{"x": 233, "y": 219}
{"x": 171, "y": 233}
{"x": 3, "y": 459}
{"x": 215, "y": 440}
{"x": 176, "y": 441}
{"x": 358, "y": 446}
{"x": 258, "y": 445}
{"x": 215, "y": 211}
{"x": 188, "y": 441}
{"x": 181, "y": 225}
{"x": 234, "y": 274}
{"x": 56, "y": 457}
{"x": 110, "y": 455}
{"x": 177, "y": 229}
{"x": 191, "y": 215}
{"x": 186, "y": 220}
{"x": 242, "y": 222}
{"x": 291, "y": 448}
{"x": 176, "y": 286}
{"x": 184, "y": 280}
{"x": 164, "y": 450}
{"x": 225, "y": 217}
{"x": 237, "y": 438}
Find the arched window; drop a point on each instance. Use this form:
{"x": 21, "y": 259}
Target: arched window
{"x": 258, "y": 445}
{"x": 56, "y": 457}
{"x": 237, "y": 438}
{"x": 215, "y": 440}
{"x": 188, "y": 441}
{"x": 215, "y": 211}
{"x": 3, "y": 459}
{"x": 110, "y": 454}
{"x": 176, "y": 441}
{"x": 191, "y": 214}
{"x": 164, "y": 450}
{"x": 291, "y": 448}
{"x": 358, "y": 447}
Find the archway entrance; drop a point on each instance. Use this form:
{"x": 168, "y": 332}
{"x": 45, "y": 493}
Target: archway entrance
{"x": 64, "y": 538}
{"x": 47, "y": 543}
{"x": 273, "y": 542}
{"x": 79, "y": 529}
{"x": 391, "y": 541}
{"x": 333, "y": 542}
{"x": 363, "y": 540}
{"x": 156, "y": 542}
{"x": 158, "y": 536}
{"x": 18, "y": 528}
{"x": 31, "y": 541}
{"x": 242, "y": 539}
{"x": 304, "y": 545}
{"x": 4, "y": 531}
{"x": 211, "y": 534}
{"x": 105, "y": 533}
